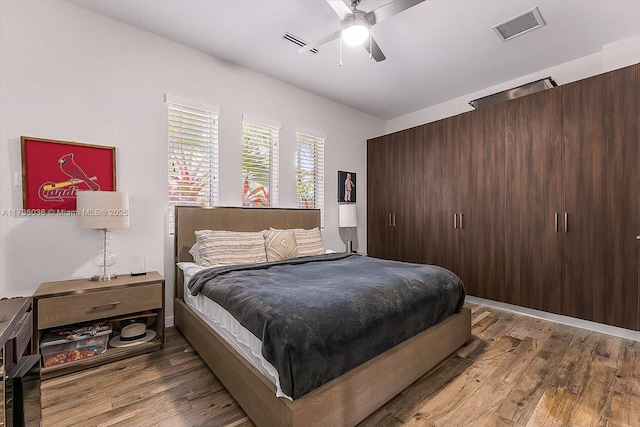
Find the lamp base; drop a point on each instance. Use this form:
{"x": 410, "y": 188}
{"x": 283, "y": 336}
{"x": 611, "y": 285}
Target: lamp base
{"x": 104, "y": 260}
{"x": 349, "y": 246}
{"x": 98, "y": 278}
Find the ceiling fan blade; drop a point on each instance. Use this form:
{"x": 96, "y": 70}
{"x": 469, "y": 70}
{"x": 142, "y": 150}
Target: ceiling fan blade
{"x": 339, "y": 7}
{"x": 376, "y": 51}
{"x": 320, "y": 42}
{"x": 378, "y": 15}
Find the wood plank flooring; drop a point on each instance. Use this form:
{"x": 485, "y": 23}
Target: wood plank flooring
{"x": 515, "y": 371}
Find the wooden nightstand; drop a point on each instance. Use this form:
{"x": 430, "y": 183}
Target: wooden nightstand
{"x": 59, "y": 304}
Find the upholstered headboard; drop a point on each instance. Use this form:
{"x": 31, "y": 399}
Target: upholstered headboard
{"x": 191, "y": 218}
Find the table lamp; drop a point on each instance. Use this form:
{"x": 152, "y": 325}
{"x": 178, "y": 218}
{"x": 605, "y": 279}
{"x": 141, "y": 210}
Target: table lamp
{"x": 103, "y": 210}
{"x": 347, "y": 218}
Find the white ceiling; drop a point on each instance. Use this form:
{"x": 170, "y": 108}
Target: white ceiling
{"x": 436, "y": 51}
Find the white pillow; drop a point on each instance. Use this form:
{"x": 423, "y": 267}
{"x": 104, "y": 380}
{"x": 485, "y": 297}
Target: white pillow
{"x": 195, "y": 253}
{"x": 189, "y": 269}
{"x": 220, "y": 247}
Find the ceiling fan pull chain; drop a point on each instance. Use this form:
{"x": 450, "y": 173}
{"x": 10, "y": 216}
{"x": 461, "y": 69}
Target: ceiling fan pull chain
{"x": 370, "y": 49}
{"x": 341, "y": 51}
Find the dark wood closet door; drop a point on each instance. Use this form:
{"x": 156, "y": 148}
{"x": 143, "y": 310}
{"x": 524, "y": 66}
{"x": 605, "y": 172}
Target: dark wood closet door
{"x": 481, "y": 201}
{"x": 409, "y": 223}
{"x": 533, "y": 197}
{"x": 380, "y": 166}
{"x": 600, "y": 180}
{"x": 393, "y": 224}
{"x": 439, "y": 159}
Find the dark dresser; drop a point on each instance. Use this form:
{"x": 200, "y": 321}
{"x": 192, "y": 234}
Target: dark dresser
{"x": 20, "y": 404}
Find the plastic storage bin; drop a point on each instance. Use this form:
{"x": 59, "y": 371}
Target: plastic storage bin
{"x": 71, "y": 344}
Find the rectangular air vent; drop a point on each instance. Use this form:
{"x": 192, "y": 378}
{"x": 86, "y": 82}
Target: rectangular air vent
{"x": 516, "y": 92}
{"x": 297, "y": 41}
{"x": 518, "y": 25}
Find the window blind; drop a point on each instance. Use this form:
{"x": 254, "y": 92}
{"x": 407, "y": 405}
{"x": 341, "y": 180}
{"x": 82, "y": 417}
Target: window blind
{"x": 260, "y": 165}
{"x": 193, "y": 154}
{"x": 310, "y": 172}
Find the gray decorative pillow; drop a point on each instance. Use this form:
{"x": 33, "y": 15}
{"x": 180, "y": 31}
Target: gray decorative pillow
{"x": 219, "y": 247}
{"x": 280, "y": 245}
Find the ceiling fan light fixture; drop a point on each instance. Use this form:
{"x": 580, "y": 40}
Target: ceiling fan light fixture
{"x": 355, "y": 29}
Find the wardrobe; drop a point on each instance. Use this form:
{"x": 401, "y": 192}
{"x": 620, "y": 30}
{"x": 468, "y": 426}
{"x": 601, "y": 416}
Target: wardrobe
{"x": 532, "y": 202}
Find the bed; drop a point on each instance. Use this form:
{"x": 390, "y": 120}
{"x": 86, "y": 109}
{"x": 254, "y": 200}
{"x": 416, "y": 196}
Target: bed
{"x": 343, "y": 401}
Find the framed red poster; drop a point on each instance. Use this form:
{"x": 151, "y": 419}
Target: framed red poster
{"x": 54, "y": 171}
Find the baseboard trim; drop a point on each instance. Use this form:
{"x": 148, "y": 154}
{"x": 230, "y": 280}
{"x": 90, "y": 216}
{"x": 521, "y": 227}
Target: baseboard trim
{"x": 168, "y": 321}
{"x": 565, "y": 320}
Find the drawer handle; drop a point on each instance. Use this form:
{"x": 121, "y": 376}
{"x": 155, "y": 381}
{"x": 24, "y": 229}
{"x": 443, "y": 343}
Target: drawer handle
{"x": 105, "y": 306}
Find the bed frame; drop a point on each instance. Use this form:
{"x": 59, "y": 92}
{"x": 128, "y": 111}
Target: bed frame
{"x": 344, "y": 401}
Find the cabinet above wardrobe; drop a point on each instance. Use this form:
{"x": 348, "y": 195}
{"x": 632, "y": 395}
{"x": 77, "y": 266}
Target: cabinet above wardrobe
{"x": 532, "y": 202}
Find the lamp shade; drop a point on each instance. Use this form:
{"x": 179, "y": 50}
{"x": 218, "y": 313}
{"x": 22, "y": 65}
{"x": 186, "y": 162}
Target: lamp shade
{"x": 102, "y": 209}
{"x": 347, "y": 215}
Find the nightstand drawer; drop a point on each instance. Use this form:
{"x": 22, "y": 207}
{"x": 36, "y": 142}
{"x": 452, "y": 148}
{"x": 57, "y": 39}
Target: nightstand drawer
{"x": 63, "y": 310}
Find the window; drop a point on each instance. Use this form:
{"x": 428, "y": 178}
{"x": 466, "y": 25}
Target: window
{"x": 193, "y": 154}
{"x": 310, "y": 172}
{"x": 260, "y": 140}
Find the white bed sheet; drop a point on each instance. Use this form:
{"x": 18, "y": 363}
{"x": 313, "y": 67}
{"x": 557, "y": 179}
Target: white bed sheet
{"x": 225, "y": 325}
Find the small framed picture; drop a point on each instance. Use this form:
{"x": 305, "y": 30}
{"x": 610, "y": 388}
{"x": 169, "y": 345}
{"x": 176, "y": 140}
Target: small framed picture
{"x": 54, "y": 171}
{"x": 346, "y": 187}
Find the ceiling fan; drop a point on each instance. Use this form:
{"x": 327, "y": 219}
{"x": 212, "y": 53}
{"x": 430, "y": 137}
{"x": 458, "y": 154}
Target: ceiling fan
{"x": 355, "y": 28}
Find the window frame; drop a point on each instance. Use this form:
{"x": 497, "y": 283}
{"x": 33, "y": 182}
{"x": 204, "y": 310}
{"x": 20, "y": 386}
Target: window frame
{"x": 201, "y": 156}
{"x": 318, "y": 141}
{"x": 252, "y": 125}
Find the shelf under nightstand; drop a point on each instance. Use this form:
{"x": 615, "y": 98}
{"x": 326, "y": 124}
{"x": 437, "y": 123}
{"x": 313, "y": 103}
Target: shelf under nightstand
{"x": 69, "y": 302}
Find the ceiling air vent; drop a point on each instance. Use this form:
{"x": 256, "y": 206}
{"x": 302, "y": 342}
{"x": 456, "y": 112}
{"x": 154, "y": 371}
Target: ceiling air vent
{"x": 297, "y": 41}
{"x": 516, "y": 92}
{"x": 518, "y": 25}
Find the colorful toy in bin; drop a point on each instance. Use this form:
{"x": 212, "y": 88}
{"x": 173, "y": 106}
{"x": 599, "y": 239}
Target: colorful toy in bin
{"x": 70, "y": 344}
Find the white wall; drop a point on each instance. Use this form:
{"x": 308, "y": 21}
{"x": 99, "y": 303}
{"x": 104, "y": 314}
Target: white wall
{"x": 69, "y": 74}
{"x": 621, "y": 53}
{"x": 613, "y": 56}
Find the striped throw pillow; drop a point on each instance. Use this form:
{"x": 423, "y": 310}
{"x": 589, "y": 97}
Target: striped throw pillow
{"x": 309, "y": 241}
{"x": 219, "y": 247}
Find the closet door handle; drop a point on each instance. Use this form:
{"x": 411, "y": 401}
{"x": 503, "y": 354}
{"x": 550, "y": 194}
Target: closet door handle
{"x": 455, "y": 220}
{"x": 394, "y": 220}
{"x": 566, "y": 222}
{"x": 390, "y": 222}
{"x": 461, "y": 226}
{"x": 556, "y": 222}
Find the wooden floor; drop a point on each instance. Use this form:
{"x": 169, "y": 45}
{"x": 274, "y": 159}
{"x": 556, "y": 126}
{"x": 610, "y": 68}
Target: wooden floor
{"x": 515, "y": 371}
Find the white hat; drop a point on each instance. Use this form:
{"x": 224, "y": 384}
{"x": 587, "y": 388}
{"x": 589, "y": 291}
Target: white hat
{"x": 135, "y": 333}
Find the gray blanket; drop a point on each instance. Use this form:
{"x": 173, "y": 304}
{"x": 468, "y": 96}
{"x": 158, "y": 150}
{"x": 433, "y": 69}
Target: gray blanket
{"x": 320, "y": 316}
